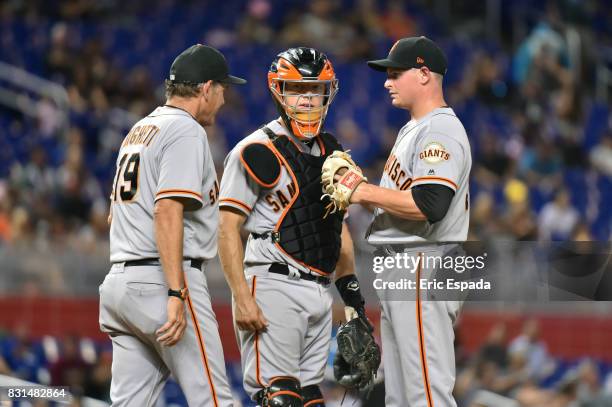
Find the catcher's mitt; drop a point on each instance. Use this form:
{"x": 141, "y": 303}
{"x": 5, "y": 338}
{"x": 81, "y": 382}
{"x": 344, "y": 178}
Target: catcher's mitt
{"x": 339, "y": 192}
{"x": 358, "y": 356}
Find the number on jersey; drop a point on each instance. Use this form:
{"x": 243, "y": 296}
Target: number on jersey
{"x": 125, "y": 185}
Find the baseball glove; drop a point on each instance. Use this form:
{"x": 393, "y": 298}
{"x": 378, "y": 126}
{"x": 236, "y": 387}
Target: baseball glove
{"x": 358, "y": 356}
{"x": 339, "y": 192}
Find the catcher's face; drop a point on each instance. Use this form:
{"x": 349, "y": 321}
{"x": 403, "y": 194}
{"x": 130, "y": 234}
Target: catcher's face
{"x": 404, "y": 86}
{"x": 302, "y": 96}
{"x": 306, "y": 104}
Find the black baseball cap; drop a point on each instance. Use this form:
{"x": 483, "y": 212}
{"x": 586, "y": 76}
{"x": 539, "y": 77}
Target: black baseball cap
{"x": 413, "y": 52}
{"x": 201, "y": 63}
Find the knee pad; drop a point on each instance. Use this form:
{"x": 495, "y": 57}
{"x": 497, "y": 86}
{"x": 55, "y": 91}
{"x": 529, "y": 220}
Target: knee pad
{"x": 283, "y": 391}
{"x": 312, "y": 396}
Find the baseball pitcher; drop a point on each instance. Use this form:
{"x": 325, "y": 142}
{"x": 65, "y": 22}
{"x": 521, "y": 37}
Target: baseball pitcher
{"x": 422, "y": 199}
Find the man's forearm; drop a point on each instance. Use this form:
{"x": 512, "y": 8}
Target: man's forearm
{"x": 346, "y": 261}
{"x": 397, "y": 203}
{"x": 231, "y": 253}
{"x": 169, "y": 237}
{"x": 346, "y": 279}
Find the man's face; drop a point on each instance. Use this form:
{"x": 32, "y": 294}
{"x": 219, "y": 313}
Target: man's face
{"x": 402, "y": 86}
{"x": 304, "y": 96}
{"x": 216, "y": 100}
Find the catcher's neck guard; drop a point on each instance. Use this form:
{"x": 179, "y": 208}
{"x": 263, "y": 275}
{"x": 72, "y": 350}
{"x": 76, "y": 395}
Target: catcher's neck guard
{"x": 305, "y": 66}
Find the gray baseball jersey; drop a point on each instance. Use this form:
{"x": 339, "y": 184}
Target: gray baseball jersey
{"x": 296, "y": 341}
{"x": 417, "y": 336}
{"x": 432, "y": 150}
{"x": 166, "y": 154}
{"x": 263, "y": 207}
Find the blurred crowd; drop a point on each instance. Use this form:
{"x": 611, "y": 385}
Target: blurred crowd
{"x": 521, "y": 369}
{"x": 72, "y": 361}
{"x": 504, "y": 369}
{"x": 522, "y": 78}
{"x": 525, "y": 90}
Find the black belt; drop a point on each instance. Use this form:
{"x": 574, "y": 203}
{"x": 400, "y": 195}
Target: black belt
{"x": 195, "y": 263}
{"x": 274, "y": 236}
{"x": 283, "y": 269}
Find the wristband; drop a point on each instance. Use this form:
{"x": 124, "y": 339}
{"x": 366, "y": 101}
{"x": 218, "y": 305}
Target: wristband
{"x": 182, "y": 293}
{"x": 348, "y": 287}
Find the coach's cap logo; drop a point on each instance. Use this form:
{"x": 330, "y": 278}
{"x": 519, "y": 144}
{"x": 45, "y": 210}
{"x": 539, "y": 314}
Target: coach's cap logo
{"x": 434, "y": 153}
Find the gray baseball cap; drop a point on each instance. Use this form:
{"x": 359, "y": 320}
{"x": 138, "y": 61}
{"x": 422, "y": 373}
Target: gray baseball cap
{"x": 201, "y": 63}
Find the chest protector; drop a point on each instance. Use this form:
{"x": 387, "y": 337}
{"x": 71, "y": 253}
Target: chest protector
{"x": 302, "y": 232}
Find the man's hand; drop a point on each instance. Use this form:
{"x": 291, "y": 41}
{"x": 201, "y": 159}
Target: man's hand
{"x": 172, "y": 331}
{"x": 338, "y": 190}
{"x": 339, "y": 175}
{"x": 248, "y": 315}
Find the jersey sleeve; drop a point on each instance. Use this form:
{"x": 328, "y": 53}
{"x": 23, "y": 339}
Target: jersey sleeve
{"x": 181, "y": 167}
{"x": 439, "y": 159}
{"x": 238, "y": 190}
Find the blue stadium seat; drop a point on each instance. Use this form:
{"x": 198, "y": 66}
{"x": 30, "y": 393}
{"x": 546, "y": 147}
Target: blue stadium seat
{"x": 596, "y": 125}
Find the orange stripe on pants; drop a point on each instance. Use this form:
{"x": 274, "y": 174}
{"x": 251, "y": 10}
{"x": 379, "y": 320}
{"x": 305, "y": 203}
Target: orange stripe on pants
{"x": 202, "y": 347}
{"x": 419, "y": 316}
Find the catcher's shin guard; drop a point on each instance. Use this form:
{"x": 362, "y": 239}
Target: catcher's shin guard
{"x": 312, "y": 396}
{"x": 283, "y": 391}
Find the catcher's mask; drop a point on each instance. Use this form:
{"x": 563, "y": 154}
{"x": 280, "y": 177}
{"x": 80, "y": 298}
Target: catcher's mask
{"x": 306, "y": 66}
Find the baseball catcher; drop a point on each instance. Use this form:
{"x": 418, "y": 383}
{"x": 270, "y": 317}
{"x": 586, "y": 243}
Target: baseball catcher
{"x": 281, "y": 283}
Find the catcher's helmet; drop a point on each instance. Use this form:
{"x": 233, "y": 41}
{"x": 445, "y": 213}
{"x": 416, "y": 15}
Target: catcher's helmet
{"x": 302, "y": 65}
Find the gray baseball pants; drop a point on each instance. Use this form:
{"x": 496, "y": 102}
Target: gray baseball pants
{"x": 133, "y": 303}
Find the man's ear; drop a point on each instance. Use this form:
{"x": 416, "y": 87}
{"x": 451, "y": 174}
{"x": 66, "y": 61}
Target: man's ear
{"x": 207, "y": 89}
{"x": 425, "y": 75}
